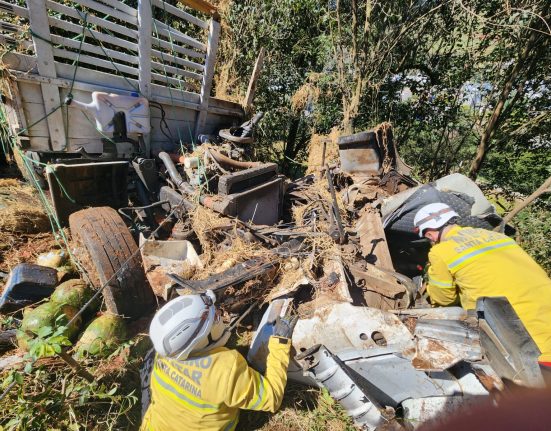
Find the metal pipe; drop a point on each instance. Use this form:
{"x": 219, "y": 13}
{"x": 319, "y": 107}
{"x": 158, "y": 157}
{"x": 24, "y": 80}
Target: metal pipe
{"x": 174, "y": 174}
{"x": 223, "y": 160}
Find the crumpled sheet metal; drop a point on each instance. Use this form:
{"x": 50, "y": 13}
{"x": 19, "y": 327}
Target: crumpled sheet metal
{"x": 343, "y": 326}
{"x": 440, "y": 344}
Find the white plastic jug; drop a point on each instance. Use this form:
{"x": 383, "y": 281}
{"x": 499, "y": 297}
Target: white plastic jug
{"x": 104, "y": 106}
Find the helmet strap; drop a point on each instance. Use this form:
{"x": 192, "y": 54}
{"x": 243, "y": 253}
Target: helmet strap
{"x": 440, "y": 232}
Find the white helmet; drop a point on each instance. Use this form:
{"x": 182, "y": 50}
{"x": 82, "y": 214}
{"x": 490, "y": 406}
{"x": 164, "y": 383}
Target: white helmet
{"x": 188, "y": 324}
{"x": 433, "y": 216}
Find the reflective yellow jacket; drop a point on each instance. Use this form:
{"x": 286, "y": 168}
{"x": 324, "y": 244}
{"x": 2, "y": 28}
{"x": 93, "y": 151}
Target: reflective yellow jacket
{"x": 206, "y": 392}
{"x": 469, "y": 263}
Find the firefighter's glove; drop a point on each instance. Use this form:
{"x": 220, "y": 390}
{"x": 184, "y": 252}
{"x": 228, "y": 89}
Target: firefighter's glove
{"x": 284, "y": 326}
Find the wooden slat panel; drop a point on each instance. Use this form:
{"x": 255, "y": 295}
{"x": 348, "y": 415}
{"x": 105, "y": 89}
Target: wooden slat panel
{"x": 38, "y": 17}
{"x": 174, "y": 70}
{"x": 95, "y": 145}
{"x": 9, "y": 27}
{"x": 107, "y": 10}
{"x": 167, "y": 96}
{"x": 119, "y": 5}
{"x": 64, "y": 25}
{"x": 168, "y": 58}
{"x": 73, "y": 13}
{"x": 6, "y": 40}
{"x": 172, "y": 81}
{"x": 145, "y": 18}
{"x": 106, "y": 64}
{"x": 14, "y": 9}
{"x": 171, "y": 47}
{"x": 33, "y": 113}
{"x": 86, "y": 47}
{"x": 162, "y": 29}
{"x": 179, "y": 13}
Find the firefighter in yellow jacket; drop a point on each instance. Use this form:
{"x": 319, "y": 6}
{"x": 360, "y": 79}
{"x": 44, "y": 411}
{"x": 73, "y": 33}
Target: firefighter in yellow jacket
{"x": 468, "y": 263}
{"x": 196, "y": 383}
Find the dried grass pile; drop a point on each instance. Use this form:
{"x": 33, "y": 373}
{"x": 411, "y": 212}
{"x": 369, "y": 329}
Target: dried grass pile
{"x": 315, "y": 150}
{"x": 20, "y": 209}
{"x": 217, "y": 255}
{"x": 306, "y": 94}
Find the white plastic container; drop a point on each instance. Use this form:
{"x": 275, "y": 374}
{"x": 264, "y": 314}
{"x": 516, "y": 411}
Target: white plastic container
{"x": 104, "y": 106}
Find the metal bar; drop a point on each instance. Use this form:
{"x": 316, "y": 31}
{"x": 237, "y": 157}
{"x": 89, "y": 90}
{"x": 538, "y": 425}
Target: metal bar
{"x": 336, "y": 211}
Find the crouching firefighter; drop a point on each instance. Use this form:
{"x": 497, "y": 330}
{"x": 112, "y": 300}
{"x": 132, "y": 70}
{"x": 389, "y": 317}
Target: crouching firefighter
{"x": 196, "y": 382}
{"x": 467, "y": 263}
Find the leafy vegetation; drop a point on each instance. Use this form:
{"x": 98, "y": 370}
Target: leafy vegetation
{"x": 47, "y": 394}
{"x": 465, "y": 84}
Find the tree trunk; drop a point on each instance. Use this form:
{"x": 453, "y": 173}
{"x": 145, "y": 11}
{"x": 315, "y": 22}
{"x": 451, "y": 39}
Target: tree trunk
{"x": 544, "y": 188}
{"x": 489, "y": 130}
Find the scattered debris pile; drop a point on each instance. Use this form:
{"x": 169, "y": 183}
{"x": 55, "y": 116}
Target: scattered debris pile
{"x": 336, "y": 247}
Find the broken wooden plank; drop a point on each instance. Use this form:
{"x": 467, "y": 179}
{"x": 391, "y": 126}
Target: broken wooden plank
{"x": 372, "y": 239}
{"x": 38, "y": 17}
{"x": 247, "y": 102}
{"x": 208, "y": 75}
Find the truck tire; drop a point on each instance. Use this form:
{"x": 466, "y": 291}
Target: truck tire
{"x": 102, "y": 243}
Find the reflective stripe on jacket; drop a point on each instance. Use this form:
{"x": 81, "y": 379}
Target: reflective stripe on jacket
{"x": 206, "y": 392}
{"x": 469, "y": 263}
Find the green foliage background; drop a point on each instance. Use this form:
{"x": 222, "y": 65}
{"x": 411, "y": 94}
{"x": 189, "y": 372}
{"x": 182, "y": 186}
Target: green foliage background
{"x": 435, "y": 70}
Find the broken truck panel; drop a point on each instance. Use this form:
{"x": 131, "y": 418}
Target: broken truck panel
{"x": 371, "y": 153}
{"x": 74, "y": 187}
{"x": 342, "y": 326}
{"x": 511, "y": 351}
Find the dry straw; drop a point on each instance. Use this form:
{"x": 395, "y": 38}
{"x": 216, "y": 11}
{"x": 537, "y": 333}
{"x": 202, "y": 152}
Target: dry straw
{"x": 20, "y": 209}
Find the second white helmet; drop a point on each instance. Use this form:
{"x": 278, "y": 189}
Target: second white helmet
{"x": 433, "y": 216}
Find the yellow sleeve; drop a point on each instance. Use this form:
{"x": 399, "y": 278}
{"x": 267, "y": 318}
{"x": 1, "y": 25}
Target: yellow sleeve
{"x": 440, "y": 286}
{"x": 250, "y": 390}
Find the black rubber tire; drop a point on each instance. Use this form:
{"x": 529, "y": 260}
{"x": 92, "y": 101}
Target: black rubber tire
{"x": 102, "y": 243}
